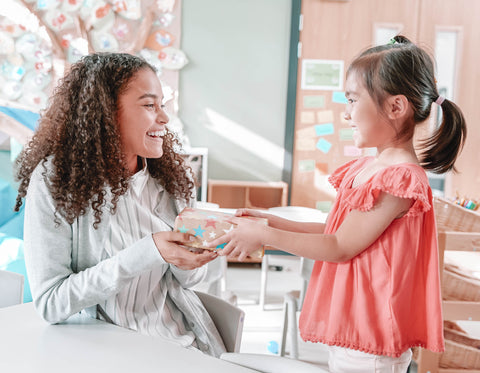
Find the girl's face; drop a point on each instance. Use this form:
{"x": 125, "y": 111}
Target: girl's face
{"x": 141, "y": 118}
{"x": 370, "y": 126}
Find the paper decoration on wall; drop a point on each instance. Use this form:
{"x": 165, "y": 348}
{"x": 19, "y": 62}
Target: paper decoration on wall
{"x": 159, "y": 39}
{"x": 324, "y": 116}
{"x": 323, "y": 145}
{"x": 321, "y": 167}
{"x": 346, "y": 134}
{"x": 307, "y": 117}
{"x": 339, "y": 98}
{"x": 351, "y": 151}
{"x": 307, "y": 132}
{"x": 305, "y": 144}
{"x": 76, "y": 27}
{"x": 172, "y": 58}
{"x": 322, "y": 74}
{"x": 306, "y": 165}
{"x": 324, "y": 129}
{"x": 314, "y": 101}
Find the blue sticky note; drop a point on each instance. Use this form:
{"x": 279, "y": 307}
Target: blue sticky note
{"x": 323, "y": 145}
{"x": 339, "y": 97}
{"x": 324, "y": 129}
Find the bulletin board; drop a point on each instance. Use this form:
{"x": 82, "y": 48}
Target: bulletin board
{"x": 322, "y": 137}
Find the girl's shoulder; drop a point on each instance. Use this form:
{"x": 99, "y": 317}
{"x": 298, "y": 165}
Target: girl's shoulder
{"x": 348, "y": 169}
{"x": 404, "y": 180}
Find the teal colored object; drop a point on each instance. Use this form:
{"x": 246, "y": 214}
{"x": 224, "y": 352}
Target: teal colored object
{"x": 272, "y": 347}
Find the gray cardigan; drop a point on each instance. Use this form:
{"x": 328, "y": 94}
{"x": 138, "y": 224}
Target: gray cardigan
{"x": 67, "y": 273}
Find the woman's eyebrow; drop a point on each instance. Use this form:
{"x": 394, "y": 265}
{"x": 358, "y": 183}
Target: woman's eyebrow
{"x": 148, "y": 95}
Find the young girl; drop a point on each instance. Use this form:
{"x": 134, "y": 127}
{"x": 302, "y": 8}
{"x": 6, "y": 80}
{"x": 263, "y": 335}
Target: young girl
{"x": 104, "y": 187}
{"x": 374, "y": 291}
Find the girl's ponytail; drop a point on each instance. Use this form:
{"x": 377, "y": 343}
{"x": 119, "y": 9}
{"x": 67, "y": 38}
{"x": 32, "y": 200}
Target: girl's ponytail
{"x": 441, "y": 150}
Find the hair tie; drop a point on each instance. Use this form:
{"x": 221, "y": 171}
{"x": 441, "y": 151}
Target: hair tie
{"x": 391, "y": 41}
{"x": 439, "y": 100}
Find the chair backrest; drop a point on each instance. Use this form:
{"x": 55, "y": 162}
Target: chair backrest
{"x": 227, "y": 318}
{"x": 11, "y": 288}
{"x": 306, "y": 267}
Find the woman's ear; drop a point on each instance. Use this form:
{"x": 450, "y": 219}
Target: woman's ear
{"x": 397, "y": 106}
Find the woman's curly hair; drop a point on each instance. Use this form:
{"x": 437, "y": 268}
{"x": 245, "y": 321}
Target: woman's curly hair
{"x": 79, "y": 132}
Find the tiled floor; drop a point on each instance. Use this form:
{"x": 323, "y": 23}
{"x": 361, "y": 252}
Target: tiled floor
{"x": 263, "y": 327}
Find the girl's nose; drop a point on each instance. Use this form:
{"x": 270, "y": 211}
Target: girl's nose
{"x": 346, "y": 115}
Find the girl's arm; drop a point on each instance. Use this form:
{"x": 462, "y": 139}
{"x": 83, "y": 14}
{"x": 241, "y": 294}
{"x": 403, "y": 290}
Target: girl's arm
{"x": 278, "y": 222}
{"x": 357, "y": 232}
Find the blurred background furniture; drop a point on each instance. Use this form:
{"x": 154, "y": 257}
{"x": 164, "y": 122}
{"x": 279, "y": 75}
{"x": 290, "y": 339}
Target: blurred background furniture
{"x": 11, "y": 288}
{"x": 458, "y": 230}
{"x": 271, "y": 363}
{"x": 293, "y": 302}
{"x": 227, "y": 318}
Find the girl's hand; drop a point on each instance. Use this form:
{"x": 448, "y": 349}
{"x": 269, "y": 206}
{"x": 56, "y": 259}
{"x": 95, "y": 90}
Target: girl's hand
{"x": 250, "y": 212}
{"x": 243, "y": 240}
{"x": 169, "y": 246}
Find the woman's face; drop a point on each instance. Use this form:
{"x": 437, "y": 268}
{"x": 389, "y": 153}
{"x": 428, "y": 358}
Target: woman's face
{"x": 142, "y": 118}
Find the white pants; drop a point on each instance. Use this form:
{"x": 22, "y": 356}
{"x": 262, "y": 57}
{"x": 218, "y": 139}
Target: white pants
{"x": 345, "y": 360}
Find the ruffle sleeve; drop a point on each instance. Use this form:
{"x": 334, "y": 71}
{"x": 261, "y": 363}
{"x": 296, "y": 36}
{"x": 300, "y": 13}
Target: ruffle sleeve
{"x": 338, "y": 175}
{"x": 403, "y": 181}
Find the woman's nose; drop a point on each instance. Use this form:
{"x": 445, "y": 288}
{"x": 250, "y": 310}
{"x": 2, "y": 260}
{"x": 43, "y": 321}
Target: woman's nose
{"x": 162, "y": 116}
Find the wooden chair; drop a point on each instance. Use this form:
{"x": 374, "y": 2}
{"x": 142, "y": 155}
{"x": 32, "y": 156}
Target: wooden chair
{"x": 428, "y": 361}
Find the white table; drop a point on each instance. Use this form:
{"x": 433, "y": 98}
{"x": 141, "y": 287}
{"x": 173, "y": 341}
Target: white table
{"x": 29, "y": 344}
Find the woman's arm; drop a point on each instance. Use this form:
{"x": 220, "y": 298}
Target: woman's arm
{"x": 358, "y": 231}
{"x": 61, "y": 286}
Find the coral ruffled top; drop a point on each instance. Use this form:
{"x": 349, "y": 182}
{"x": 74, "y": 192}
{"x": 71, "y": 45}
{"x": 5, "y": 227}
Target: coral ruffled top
{"x": 386, "y": 299}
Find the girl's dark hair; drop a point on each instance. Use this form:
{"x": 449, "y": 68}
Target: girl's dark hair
{"x": 79, "y": 132}
{"x": 402, "y": 68}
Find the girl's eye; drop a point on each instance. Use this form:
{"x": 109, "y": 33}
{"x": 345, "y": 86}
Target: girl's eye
{"x": 350, "y": 101}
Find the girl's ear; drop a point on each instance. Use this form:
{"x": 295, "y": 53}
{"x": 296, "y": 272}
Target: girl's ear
{"x": 397, "y": 106}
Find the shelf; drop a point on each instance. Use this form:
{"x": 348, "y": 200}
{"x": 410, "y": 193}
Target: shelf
{"x": 251, "y": 194}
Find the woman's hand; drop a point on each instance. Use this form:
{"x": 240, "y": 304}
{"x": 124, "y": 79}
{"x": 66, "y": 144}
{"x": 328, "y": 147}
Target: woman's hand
{"x": 169, "y": 246}
{"x": 244, "y": 239}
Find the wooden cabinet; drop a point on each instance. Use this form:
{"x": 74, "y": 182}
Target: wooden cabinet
{"x": 251, "y": 194}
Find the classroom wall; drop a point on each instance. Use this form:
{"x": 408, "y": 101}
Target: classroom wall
{"x": 233, "y": 92}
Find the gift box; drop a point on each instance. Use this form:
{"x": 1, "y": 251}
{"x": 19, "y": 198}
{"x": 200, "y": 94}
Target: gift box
{"x": 207, "y": 225}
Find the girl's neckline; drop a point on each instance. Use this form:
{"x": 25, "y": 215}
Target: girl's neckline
{"x": 367, "y": 162}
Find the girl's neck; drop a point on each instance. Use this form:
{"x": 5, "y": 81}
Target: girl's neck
{"x": 398, "y": 153}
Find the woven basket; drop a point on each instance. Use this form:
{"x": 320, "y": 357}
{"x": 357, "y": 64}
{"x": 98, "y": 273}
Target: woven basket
{"x": 458, "y": 285}
{"x": 459, "y": 356}
{"x": 461, "y": 350}
{"x": 452, "y": 217}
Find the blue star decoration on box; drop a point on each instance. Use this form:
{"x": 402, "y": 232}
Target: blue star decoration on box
{"x": 221, "y": 246}
{"x": 199, "y": 231}
{"x": 183, "y": 229}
